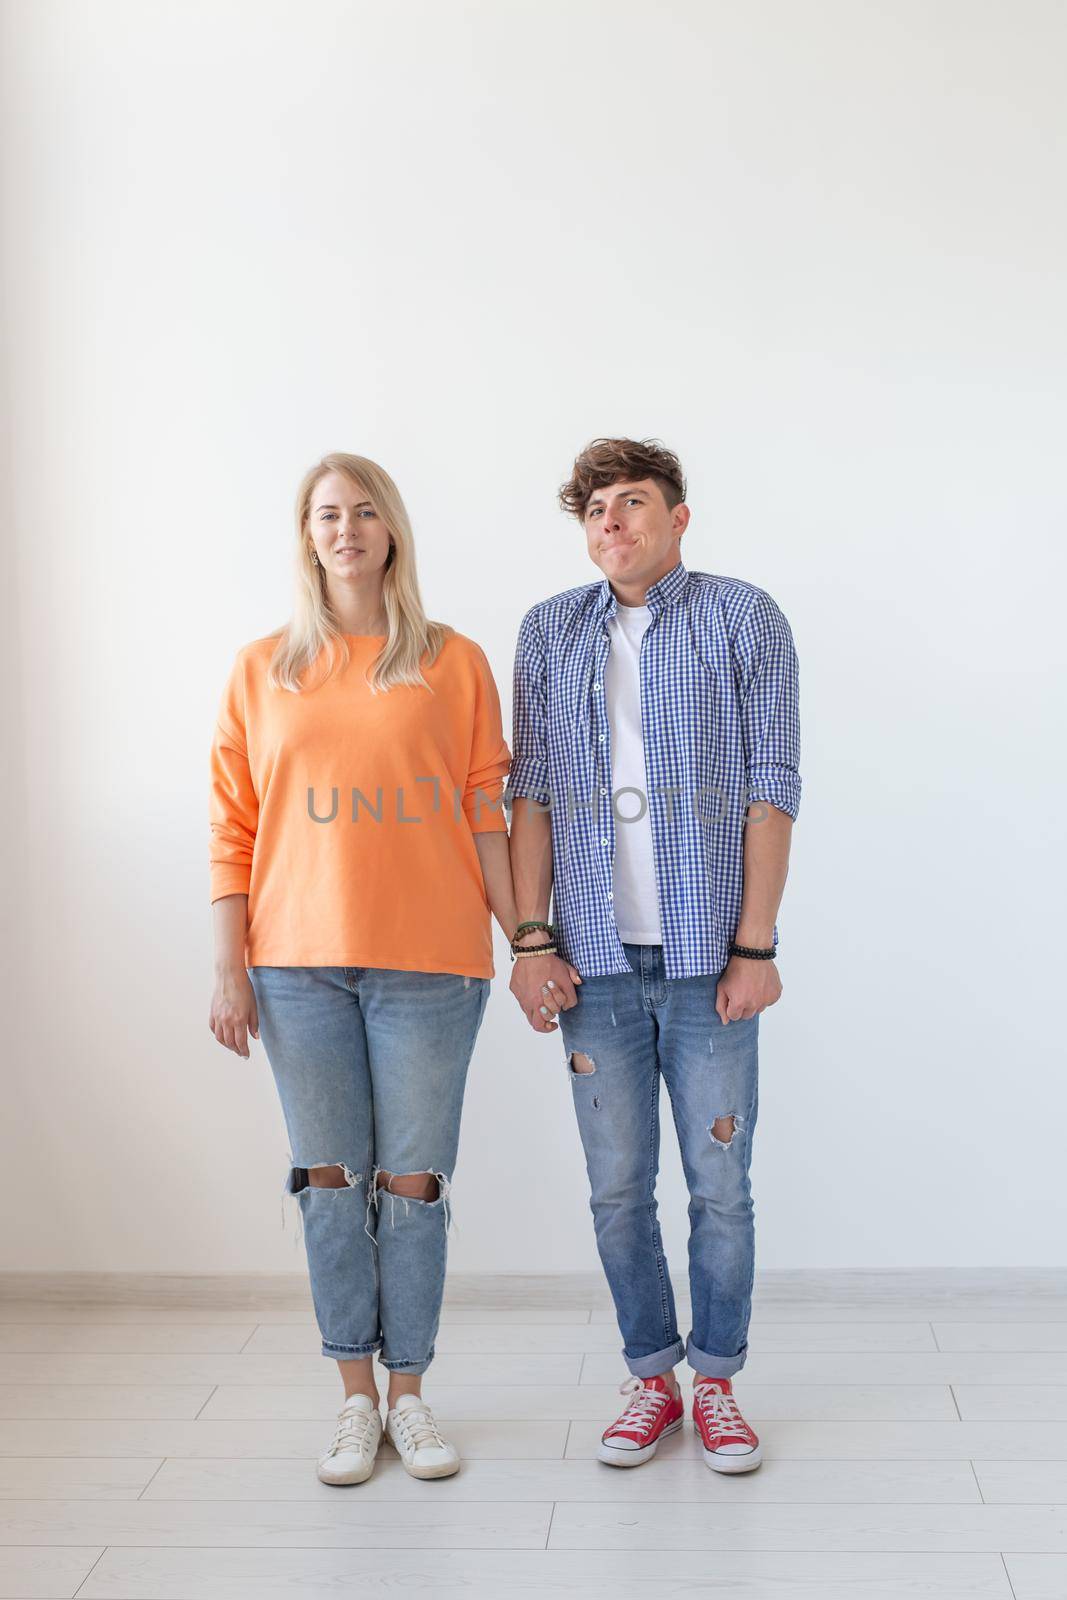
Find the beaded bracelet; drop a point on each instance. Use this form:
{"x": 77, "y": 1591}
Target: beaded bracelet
{"x": 753, "y": 955}
{"x": 534, "y": 950}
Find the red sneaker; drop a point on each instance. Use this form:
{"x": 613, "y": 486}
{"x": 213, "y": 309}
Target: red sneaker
{"x": 730, "y": 1445}
{"x": 652, "y": 1413}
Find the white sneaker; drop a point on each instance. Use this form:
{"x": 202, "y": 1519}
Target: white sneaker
{"x": 411, "y": 1428}
{"x": 350, "y": 1457}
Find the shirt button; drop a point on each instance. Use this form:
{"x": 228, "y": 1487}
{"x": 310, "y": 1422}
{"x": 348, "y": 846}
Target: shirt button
{"x": 602, "y": 738}
{"x": 603, "y": 841}
{"x": 603, "y": 791}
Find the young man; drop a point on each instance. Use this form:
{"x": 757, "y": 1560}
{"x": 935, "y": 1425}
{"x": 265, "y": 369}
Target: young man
{"x": 653, "y": 788}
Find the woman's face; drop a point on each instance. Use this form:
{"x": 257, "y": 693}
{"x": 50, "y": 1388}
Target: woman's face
{"x": 350, "y": 538}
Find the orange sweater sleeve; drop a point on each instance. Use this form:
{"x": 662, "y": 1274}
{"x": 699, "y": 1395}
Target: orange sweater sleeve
{"x": 233, "y": 805}
{"x": 490, "y": 757}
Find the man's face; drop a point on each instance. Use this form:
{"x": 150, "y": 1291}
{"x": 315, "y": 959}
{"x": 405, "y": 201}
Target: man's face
{"x": 633, "y": 535}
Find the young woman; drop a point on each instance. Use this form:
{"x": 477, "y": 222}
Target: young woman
{"x": 358, "y": 844}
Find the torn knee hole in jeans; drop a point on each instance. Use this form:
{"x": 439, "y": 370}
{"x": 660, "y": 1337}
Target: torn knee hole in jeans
{"x": 298, "y": 1182}
{"x": 344, "y": 1177}
{"x": 394, "y": 1184}
{"x": 410, "y": 1185}
{"x": 723, "y": 1129}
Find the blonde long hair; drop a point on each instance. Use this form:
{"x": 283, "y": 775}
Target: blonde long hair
{"x": 313, "y": 631}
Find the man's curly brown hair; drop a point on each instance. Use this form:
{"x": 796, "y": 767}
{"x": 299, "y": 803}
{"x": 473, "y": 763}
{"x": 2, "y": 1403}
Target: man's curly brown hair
{"x": 608, "y": 461}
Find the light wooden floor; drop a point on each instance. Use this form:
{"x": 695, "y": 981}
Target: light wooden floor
{"x": 158, "y": 1437}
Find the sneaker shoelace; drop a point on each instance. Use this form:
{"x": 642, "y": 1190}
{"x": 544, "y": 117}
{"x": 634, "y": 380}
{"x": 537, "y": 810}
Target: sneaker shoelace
{"x": 351, "y": 1431}
{"x": 643, "y": 1409}
{"x": 721, "y": 1411}
{"x": 418, "y": 1427}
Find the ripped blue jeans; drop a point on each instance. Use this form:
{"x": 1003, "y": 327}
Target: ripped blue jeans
{"x": 635, "y": 1027}
{"x": 370, "y": 1065}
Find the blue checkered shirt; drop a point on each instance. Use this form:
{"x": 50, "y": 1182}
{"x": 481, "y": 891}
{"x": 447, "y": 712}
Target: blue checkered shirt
{"x": 720, "y": 725}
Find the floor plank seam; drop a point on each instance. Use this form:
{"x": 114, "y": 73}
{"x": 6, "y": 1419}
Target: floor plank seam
{"x": 538, "y": 1549}
{"x": 90, "y": 1572}
{"x": 214, "y": 1390}
{"x": 155, "y": 1474}
{"x": 1007, "y": 1575}
{"x": 567, "y": 1500}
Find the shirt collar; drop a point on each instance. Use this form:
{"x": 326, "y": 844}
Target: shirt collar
{"x": 661, "y": 595}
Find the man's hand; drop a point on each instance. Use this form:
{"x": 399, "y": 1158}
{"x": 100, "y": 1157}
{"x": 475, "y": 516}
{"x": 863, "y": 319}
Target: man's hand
{"x": 544, "y": 981}
{"x": 746, "y": 988}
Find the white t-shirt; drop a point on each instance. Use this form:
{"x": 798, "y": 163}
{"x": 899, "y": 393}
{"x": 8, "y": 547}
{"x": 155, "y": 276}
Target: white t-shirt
{"x": 636, "y": 900}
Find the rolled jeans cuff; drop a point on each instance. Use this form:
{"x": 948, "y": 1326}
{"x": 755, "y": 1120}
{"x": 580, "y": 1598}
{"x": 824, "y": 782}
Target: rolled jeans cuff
{"x": 349, "y": 1352}
{"x": 714, "y": 1366}
{"x": 655, "y": 1365}
{"x": 413, "y": 1369}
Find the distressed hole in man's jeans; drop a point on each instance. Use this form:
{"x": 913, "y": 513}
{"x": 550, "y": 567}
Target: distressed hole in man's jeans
{"x": 723, "y": 1130}
{"x": 581, "y": 1065}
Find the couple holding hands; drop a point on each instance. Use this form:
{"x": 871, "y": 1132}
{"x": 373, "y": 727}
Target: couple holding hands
{"x": 360, "y": 798}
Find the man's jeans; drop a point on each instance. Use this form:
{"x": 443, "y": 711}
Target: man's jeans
{"x": 633, "y": 1027}
{"x": 370, "y": 1065}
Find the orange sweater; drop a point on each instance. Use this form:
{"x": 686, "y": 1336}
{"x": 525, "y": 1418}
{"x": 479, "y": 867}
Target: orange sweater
{"x": 389, "y": 877}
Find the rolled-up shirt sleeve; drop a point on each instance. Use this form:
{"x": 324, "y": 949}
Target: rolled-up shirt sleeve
{"x": 490, "y": 756}
{"x": 233, "y": 806}
{"x": 528, "y": 777}
{"x": 765, "y": 661}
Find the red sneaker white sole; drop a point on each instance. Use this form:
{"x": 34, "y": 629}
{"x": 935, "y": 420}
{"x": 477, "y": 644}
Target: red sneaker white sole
{"x": 621, "y": 1456}
{"x": 719, "y": 1461}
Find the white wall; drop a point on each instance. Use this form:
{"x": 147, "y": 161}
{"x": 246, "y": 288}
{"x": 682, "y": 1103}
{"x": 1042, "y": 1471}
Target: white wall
{"x": 819, "y": 249}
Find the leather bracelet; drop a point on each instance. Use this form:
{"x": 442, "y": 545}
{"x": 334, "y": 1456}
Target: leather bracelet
{"x": 753, "y": 955}
{"x": 530, "y": 927}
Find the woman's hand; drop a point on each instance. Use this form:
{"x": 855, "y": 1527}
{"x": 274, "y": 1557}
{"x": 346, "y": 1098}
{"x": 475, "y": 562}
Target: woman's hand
{"x": 233, "y": 1010}
{"x": 544, "y": 986}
